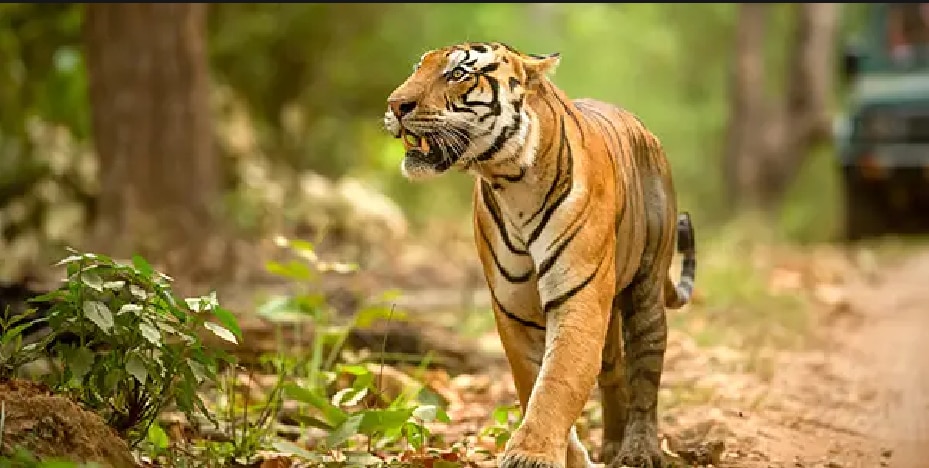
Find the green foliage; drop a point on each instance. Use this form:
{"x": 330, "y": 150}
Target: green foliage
{"x": 132, "y": 346}
{"x": 13, "y": 353}
{"x": 506, "y": 419}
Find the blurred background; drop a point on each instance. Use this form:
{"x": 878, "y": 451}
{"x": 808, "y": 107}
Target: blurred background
{"x": 196, "y": 134}
{"x": 233, "y": 120}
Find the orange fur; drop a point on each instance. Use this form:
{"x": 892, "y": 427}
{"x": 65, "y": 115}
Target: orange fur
{"x": 574, "y": 221}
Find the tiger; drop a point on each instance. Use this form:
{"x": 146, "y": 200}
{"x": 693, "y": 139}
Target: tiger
{"x": 574, "y": 221}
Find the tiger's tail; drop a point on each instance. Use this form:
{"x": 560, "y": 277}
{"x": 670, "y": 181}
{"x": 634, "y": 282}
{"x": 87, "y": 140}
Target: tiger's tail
{"x": 676, "y": 295}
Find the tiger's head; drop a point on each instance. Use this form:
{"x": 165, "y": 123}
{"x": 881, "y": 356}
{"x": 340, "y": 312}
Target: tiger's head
{"x": 464, "y": 104}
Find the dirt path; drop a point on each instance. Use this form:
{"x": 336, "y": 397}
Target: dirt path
{"x": 861, "y": 397}
{"x": 891, "y": 340}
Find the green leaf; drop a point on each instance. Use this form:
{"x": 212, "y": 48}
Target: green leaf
{"x": 198, "y": 370}
{"x": 137, "y": 291}
{"x": 332, "y": 414}
{"x": 98, "y": 313}
{"x": 301, "y": 245}
{"x": 69, "y": 259}
{"x": 289, "y": 448}
{"x": 129, "y": 308}
{"x": 501, "y": 438}
{"x": 293, "y": 270}
{"x": 353, "y": 369}
{"x": 348, "y": 396}
{"x": 142, "y": 265}
{"x": 366, "y": 317}
{"x": 157, "y": 436}
{"x": 114, "y": 285}
{"x": 136, "y": 368}
{"x": 344, "y": 431}
{"x": 149, "y": 332}
{"x": 228, "y": 320}
{"x": 429, "y": 413}
{"x": 363, "y": 381}
{"x": 389, "y": 295}
{"x": 501, "y": 414}
{"x": 414, "y": 434}
{"x": 221, "y": 332}
{"x": 92, "y": 280}
{"x": 80, "y": 360}
{"x": 382, "y": 420}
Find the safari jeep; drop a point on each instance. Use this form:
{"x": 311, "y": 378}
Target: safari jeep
{"x": 883, "y": 140}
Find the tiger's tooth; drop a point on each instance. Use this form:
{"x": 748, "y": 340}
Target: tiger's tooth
{"x": 405, "y": 137}
{"x": 423, "y": 145}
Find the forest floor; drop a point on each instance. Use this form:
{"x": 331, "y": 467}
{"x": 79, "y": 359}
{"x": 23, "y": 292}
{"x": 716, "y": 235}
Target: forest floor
{"x": 847, "y": 387}
{"x": 857, "y": 395}
{"x": 809, "y": 357}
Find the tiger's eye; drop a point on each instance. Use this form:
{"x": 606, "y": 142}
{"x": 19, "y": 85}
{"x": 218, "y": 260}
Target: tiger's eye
{"x": 457, "y": 74}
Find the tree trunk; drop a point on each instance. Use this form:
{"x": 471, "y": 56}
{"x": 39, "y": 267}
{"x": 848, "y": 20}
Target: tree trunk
{"x": 769, "y": 141}
{"x": 743, "y": 163}
{"x": 806, "y": 119}
{"x": 149, "y": 91}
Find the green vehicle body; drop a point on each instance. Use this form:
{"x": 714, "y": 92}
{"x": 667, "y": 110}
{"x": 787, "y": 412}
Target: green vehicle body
{"x": 882, "y": 140}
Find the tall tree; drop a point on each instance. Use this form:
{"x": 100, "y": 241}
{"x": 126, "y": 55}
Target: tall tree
{"x": 149, "y": 92}
{"x": 768, "y": 140}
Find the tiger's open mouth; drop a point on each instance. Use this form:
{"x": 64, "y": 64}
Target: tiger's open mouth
{"x": 419, "y": 148}
{"x": 413, "y": 141}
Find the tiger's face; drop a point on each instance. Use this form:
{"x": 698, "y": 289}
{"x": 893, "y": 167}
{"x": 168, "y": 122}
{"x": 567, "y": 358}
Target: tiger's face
{"x": 463, "y": 105}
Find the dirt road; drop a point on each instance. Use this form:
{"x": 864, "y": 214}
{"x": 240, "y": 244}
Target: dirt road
{"x": 860, "y": 397}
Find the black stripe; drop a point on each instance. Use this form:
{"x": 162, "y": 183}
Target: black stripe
{"x": 650, "y": 375}
{"x": 501, "y": 140}
{"x": 573, "y": 115}
{"x": 609, "y": 129}
{"x": 606, "y": 128}
{"x": 493, "y": 103}
{"x": 457, "y": 108}
{"x": 512, "y": 178}
{"x": 564, "y": 297}
{"x": 568, "y": 181}
{"x": 557, "y": 177}
{"x": 490, "y": 67}
{"x": 516, "y": 279}
{"x": 645, "y": 353}
{"x": 579, "y": 222}
{"x": 550, "y": 261}
{"x": 514, "y": 317}
{"x": 490, "y": 203}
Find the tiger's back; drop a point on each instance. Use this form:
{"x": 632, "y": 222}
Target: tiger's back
{"x": 646, "y": 202}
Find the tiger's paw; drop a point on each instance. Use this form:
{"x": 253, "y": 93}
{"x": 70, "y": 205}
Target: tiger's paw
{"x": 610, "y": 450}
{"x": 518, "y": 459}
{"x": 637, "y": 452}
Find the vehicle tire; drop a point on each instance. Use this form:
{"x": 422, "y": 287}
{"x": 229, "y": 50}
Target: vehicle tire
{"x": 864, "y": 216}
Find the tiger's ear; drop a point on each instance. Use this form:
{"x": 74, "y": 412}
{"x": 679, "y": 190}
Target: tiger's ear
{"x": 537, "y": 66}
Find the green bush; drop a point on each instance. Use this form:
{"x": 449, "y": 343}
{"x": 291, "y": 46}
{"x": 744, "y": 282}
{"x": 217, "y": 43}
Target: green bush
{"x": 133, "y": 347}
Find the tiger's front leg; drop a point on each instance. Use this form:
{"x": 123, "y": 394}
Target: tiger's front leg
{"x": 576, "y": 304}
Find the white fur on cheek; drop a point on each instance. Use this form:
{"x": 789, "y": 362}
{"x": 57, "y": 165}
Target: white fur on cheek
{"x": 391, "y": 124}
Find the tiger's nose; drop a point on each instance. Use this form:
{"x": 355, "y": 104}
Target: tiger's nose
{"x": 400, "y": 106}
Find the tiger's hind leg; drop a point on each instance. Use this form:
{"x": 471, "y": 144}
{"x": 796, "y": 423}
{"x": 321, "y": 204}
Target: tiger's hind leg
{"x": 645, "y": 334}
{"x": 614, "y": 392}
{"x": 645, "y": 339}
